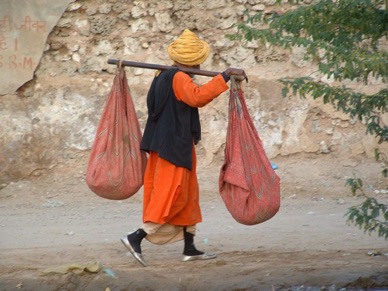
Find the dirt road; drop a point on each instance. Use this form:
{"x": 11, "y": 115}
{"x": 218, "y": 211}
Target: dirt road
{"x": 55, "y": 221}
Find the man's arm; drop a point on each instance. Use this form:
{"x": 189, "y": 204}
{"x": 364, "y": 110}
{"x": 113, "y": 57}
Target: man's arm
{"x": 197, "y": 96}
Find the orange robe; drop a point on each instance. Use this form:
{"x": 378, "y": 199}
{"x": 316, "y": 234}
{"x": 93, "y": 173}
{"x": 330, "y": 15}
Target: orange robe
{"x": 171, "y": 193}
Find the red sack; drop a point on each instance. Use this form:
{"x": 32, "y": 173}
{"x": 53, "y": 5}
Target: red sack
{"x": 248, "y": 185}
{"x": 116, "y": 164}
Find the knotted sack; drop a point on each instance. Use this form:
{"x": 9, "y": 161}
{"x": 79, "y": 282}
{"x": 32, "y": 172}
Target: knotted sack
{"x": 116, "y": 164}
{"x": 248, "y": 185}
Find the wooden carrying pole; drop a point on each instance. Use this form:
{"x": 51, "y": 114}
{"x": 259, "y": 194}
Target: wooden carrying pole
{"x": 162, "y": 67}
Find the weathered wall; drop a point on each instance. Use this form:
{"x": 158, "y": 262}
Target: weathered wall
{"x": 24, "y": 26}
{"x": 53, "y": 117}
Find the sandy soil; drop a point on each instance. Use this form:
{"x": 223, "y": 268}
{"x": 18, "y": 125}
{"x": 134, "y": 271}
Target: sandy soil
{"x": 55, "y": 220}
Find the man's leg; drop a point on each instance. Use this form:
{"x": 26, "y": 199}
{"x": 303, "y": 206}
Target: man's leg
{"x": 133, "y": 241}
{"x": 190, "y": 252}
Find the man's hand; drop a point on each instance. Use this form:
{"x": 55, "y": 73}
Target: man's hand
{"x": 238, "y": 74}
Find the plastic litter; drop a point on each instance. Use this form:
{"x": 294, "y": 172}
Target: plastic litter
{"x": 109, "y": 272}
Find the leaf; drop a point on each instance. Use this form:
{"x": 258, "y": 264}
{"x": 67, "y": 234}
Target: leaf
{"x": 285, "y": 91}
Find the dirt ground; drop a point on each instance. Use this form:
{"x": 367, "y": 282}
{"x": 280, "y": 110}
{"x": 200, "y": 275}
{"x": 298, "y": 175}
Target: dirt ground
{"x": 55, "y": 221}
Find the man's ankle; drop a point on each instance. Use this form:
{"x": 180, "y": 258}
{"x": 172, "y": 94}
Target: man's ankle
{"x": 192, "y": 251}
{"x": 135, "y": 239}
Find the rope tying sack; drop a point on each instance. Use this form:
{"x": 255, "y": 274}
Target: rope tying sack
{"x": 248, "y": 184}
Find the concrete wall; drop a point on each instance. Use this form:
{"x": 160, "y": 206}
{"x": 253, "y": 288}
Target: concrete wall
{"x": 52, "y": 118}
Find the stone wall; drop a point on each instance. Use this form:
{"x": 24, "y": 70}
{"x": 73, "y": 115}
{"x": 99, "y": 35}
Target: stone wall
{"x": 52, "y": 118}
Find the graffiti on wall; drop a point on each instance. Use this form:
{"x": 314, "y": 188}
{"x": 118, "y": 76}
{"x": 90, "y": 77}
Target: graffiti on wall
{"x": 24, "y": 27}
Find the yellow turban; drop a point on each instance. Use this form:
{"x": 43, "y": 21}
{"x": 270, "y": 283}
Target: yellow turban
{"x": 188, "y": 49}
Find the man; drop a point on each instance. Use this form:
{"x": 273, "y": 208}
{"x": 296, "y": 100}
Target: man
{"x": 171, "y": 207}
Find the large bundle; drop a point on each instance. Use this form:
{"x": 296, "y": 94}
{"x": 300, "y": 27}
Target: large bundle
{"x": 248, "y": 184}
{"x": 116, "y": 164}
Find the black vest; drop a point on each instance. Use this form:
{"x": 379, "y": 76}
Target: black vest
{"x": 172, "y": 125}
